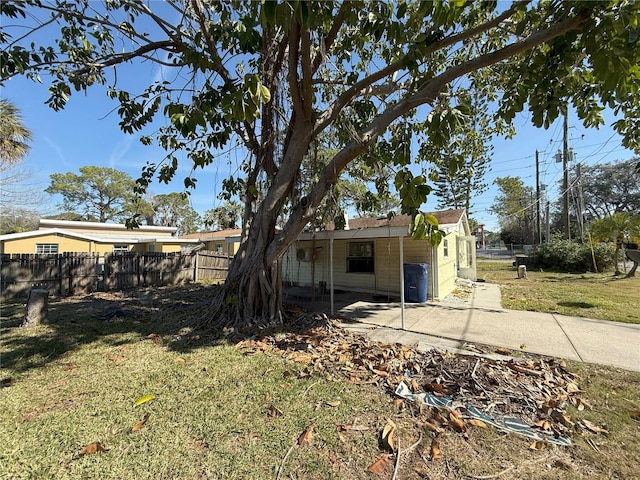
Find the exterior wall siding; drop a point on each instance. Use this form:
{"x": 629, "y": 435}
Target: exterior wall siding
{"x": 76, "y": 245}
{"x": 28, "y": 245}
{"x": 385, "y": 280}
{"x": 447, "y": 271}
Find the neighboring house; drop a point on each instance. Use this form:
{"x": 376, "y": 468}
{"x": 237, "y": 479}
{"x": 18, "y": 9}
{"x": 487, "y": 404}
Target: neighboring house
{"x": 368, "y": 255}
{"x": 224, "y": 242}
{"x": 62, "y": 236}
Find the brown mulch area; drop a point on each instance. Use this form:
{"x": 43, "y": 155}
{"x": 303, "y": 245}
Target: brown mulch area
{"x": 536, "y": 390}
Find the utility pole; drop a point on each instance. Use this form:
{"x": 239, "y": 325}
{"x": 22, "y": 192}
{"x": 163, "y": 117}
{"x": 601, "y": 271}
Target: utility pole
{"x": 580, "y": 206}
{"x": 547, "y": 223}
{"x": 538, "y": 198}
{"x": 565, "y": 165}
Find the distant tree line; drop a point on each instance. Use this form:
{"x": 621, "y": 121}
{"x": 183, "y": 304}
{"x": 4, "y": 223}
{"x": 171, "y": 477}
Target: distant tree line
{"x": 597, "y": 192}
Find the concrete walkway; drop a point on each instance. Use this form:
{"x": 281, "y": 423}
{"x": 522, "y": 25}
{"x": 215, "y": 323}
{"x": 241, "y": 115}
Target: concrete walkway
{"x": 481, "y": 320}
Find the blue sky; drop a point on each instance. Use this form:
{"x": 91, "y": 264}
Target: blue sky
{"x": 86, "y": 132}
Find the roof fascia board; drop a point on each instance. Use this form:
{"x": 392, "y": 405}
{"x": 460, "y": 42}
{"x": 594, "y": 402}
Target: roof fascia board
{"x": 44, "y": 222}
{"x": 50, "y": 231}
{"x": 376, "y": 232}
{"x": 129, "y": 239}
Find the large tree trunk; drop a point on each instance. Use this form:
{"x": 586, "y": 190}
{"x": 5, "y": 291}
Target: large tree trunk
{"x": 251, "y": 296}
{"x": 632, "y": 272}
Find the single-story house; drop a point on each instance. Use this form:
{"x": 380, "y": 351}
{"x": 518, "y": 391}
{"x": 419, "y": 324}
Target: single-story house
{"x": 61, "y": 236}
{"x": 224, "y": 242}
{"x": 369, "y": 255}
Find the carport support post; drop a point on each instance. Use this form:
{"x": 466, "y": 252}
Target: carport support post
{"x": 401, "y": 282}
{"x": 331, "y": 271}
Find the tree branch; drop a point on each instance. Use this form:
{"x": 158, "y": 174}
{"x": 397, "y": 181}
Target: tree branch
{"x": 216, "y": 65}
{"x": 302, "y": 213}
{"x": 331, "y": 36}
{"x": 123, "y": 57}
{"x": 294, "y": 87}
{"x": 334, "y": 109}
{"x": 305, "y": 55}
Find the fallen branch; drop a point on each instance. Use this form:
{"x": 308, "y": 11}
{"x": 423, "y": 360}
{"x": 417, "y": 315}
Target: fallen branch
{"x": 407, "y": 450}
{"x": 520, "y": 369}
{"x": 395, "y": 469}
{"x": 496, "y": 475}
{"x": 309, "y": 388}
{"x": 284, "y": 459}
{"x": 473, "y": 372}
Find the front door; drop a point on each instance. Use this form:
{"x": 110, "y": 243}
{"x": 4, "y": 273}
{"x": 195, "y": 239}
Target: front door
{"x": 466, "y": 255}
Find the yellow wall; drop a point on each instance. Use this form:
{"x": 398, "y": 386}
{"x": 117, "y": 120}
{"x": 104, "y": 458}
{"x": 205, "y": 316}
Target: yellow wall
{"x": 66, "y": 244}
{"x": 447, "y": 266}
{"x": 166, "y": 248}
{"x": 28, "y": 245}
{"x": 223, "y": 247}
{"x": 386, "y": 278}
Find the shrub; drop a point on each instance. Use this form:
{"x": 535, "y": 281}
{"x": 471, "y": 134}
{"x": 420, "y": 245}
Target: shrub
{"x": 570, "y": 256}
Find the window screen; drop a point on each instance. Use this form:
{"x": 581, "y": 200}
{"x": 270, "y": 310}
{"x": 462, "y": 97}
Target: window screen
{"x": 360, "y": 257}
{"x": 47, "y": 248}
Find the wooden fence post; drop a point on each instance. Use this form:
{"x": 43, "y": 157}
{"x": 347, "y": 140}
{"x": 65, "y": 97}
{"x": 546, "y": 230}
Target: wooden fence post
{"x": 195, "y": 270}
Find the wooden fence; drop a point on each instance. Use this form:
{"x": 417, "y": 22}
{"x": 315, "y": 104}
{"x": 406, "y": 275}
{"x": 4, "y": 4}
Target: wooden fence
{"x": 211, "y": 266}
{"x": 80, "y": 273}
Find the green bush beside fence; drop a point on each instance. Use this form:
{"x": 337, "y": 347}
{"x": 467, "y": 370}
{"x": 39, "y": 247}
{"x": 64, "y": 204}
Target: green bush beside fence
{"x": 574, "y": 257}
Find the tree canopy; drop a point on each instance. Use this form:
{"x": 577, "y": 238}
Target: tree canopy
{"x": 610, "y": 188}
{"x": 99, "y": 193}
{"x": 14, "y": 135}
{"x": 620, "y": 227}
{"x": 516, "y": 209}
{"x": 173, "y": 210}
{"x": 275, "y": 76}
{"x": 18, "y": 195}
{"x": 225, "y": 216}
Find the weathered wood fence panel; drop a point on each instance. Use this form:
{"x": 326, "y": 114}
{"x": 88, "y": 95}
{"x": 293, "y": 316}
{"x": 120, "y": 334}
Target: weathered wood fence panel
{"x": 132, "y": 269}
{"x": 211, "y": 266}
{"x": 78, "y": 273}
{"x": 20, "y": 272}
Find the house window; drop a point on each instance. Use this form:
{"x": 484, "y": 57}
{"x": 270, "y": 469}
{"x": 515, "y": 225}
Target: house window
{"x": 445, "y": 247}
{"x": 218, "y": 248}
{"x": 120, "y": 248}
{"x": 47, "y": 248}
{"x": 360, "y": 257}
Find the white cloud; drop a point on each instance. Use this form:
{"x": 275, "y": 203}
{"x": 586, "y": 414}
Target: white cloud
{"x": 59, "y": 152}
{"x": 119, "y": 151}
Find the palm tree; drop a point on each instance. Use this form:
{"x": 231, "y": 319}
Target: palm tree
{"x": 620, "y": 227}
{"x": 14, "y": 136}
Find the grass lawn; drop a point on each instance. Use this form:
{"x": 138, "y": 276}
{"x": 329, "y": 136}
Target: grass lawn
{"x": 601, "y": 296}
{"x": 289, "y": 405}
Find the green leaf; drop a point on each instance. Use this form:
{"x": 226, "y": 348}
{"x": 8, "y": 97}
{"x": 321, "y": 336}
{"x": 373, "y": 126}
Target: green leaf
{"x": 145, "y": 399}
{"x": 265, "y": 94}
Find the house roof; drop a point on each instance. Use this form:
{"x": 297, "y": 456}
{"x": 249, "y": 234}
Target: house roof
{"x": 217, "y": 235}
{"x": 98, "y": 237}
{"x": 372, "y": 227}
{"x": 46, "y": 223}
{"x": 399, "y": 224}
{"x": 445, "y": 217}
